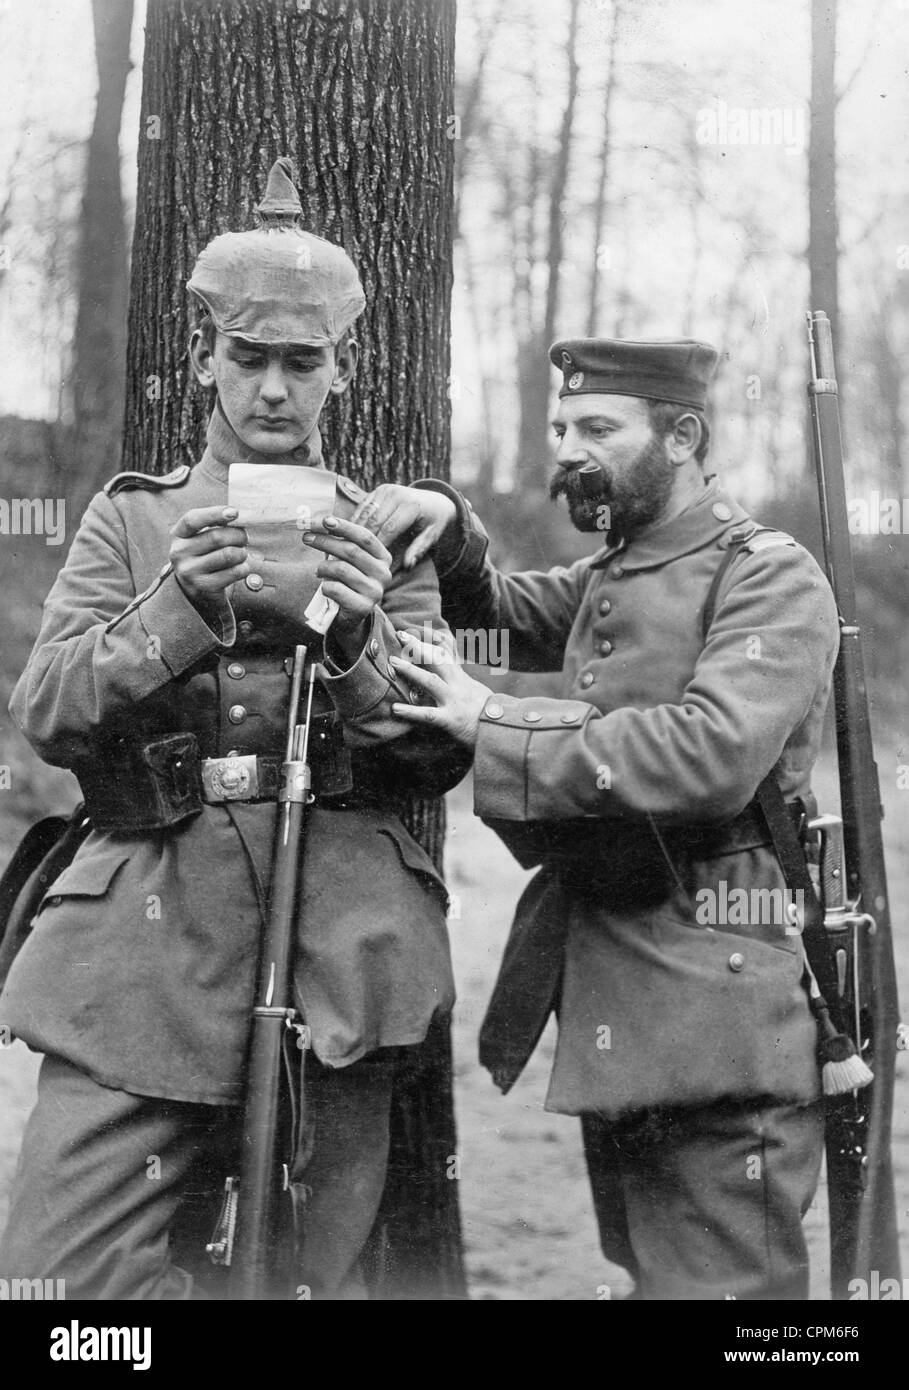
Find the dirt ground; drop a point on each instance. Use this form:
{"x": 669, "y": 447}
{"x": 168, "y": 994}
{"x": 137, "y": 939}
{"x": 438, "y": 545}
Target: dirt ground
{"x": 528, "y": 1220}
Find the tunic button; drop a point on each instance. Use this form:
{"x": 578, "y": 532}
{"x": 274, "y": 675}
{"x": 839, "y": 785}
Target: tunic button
{"x": 736, "y": 962}
{"x": 236, "y": 714}
{"x": 236, "y": 671}
{"x": 605, "y": 606}
{"x": 245, "y": 628}
{"x": 493, "y": 711}
{"x": 616, "y": 571}
{"x": 374, "y": 647}
{"x": 587, "y": 680}
{"x": 532, "y": 716}
{"x": 255, "y": 582}
{"x": 571, "y": 716}
{"x": 605, "y": 648}
{"x": 721, "y": 511}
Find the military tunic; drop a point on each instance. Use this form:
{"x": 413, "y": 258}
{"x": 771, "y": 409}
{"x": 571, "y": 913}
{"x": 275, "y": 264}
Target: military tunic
{"x": 140, "y": 967}
{"x": 631, "y": 788}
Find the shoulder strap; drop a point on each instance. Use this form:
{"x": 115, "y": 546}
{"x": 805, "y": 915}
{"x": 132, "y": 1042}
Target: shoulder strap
{"x": 713, "y": 591}
{"x": 786, "y": 843}
{"x": 751, "y": 538}
{"x": 150, "y": 482}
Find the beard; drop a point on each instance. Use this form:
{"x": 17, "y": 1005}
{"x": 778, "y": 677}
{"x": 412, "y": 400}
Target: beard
{"x": 622, "y": 505}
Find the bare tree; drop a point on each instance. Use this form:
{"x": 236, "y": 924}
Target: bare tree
{"x": 534, "y": 370}
{"x": 99, "y": 344}
{"x": 601, "y": 255}
{"x": 358, "y": 92}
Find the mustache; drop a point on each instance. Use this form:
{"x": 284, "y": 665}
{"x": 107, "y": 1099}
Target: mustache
{"x": 592, "y": 487}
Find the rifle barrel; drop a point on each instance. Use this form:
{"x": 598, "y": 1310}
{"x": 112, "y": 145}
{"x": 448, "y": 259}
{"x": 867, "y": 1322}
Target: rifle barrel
{"x": 863, "y": 1228}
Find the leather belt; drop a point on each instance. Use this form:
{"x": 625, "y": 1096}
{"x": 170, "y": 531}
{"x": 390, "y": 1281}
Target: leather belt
{"x": 131, "y": 787}
{"x": 746, "y": 831}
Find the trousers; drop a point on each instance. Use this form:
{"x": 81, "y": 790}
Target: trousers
{"x": 108, "y": 1184}
{"x": 707, "y": 1203}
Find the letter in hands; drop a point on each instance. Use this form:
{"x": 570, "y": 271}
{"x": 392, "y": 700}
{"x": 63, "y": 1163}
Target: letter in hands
{"x": 392, "y": 511}
{"x": 355, "y": 573}
{"x": 458, "y": 700}
{"x": 208, "y": 555}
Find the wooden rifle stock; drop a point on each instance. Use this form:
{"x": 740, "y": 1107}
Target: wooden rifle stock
{"x": 863, "y": 1228}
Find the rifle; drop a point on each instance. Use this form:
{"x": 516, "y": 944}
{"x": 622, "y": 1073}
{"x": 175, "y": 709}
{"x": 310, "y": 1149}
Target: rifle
{"x": 249, "y": 1229}
{"x": 863, "y": 1229}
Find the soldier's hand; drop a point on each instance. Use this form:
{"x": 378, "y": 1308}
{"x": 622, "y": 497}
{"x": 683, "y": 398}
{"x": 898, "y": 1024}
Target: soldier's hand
{"x": 355, "y": 573}
{"x": 434, "y": 669}
{"x": 391, "y": 511}
{"x": 208, "y": 553}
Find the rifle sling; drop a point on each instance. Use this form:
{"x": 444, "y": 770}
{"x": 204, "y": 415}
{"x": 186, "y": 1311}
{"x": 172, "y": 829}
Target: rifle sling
{"x": 786, "y": 843}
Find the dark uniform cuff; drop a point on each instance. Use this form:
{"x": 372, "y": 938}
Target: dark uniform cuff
{"x": 370, "y": 680}
{"x": 462, "y": 547}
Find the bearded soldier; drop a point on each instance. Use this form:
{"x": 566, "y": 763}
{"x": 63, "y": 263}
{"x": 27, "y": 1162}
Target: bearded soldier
{"x": 161, "y": 677}
{"x": 696, "y": 652}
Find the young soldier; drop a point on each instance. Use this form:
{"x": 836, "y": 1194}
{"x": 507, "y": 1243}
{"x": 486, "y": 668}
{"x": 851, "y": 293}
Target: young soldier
{"x": 166, "y": 692}
{"x": 686, "y": 1042}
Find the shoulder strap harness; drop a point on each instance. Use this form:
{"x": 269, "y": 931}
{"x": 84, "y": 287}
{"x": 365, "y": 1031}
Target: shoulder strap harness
{"x": 842, "y": 1068}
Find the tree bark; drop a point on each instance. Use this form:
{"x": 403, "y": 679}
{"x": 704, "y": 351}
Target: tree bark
{"x": 822, "y": 210}
{"x": 359, "y": 94}
{"x": 99, "y": 344}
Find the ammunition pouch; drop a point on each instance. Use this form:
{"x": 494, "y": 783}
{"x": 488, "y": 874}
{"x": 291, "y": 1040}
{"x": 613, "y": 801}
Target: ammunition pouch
{"x": 133, "y": 787}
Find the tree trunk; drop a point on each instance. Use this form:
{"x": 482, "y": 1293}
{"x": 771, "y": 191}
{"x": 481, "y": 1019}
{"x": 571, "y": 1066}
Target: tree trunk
{"x": 560, "y": 181}
{"x": 358, "y": 93}
{"x": 534, "y": 370}
{"x": 823, "y": 222}
{"x": 99, "y": 344}
{"x": 534, "y": 514}
{"x": 601, "y": 254}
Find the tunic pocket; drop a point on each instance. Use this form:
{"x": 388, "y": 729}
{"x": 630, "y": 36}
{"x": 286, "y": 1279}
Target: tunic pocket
{"x": 84, "y": 878}
{"x": 415, "y": 858}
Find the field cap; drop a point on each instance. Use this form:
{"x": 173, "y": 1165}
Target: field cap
{"x": 665, "y": 369}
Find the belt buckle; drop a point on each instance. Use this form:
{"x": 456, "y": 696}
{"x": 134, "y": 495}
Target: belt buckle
{"x": 235, "y": 778}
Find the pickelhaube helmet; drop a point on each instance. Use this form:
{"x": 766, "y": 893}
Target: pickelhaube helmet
{"x": 278, "y": 283}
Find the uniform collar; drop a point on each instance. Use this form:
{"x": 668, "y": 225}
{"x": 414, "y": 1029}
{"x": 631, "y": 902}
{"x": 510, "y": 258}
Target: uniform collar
{"x": 706, "y": 520}
{"x": 224, "y": 447}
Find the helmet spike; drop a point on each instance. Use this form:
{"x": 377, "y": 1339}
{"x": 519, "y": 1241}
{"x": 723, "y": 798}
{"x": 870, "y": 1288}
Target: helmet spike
{"x": 281, "y": 206}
